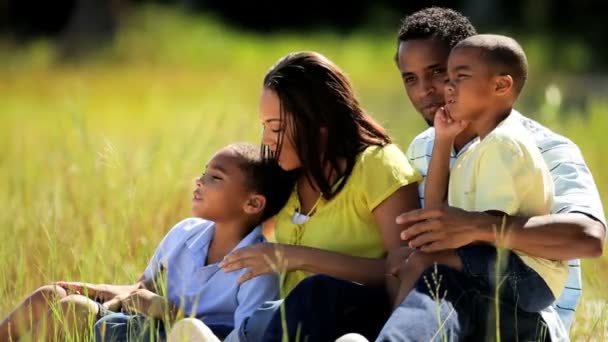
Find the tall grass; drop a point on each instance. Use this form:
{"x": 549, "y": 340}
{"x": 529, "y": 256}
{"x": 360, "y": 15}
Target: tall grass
{"x": 97, "y": 157}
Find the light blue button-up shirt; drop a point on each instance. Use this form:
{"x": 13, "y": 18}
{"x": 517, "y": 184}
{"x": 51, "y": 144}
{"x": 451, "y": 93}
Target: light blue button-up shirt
{"x": 575, "y": 191}
{"x": 205, "y": 291}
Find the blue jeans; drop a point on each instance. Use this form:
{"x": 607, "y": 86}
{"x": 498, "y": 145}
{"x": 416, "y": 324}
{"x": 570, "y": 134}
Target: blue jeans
{"x": 115, "y": 327}
{"x": 119, "y": 327}
{"x": 322, "y": 308}
{"x": 445, "y": 304}
{"x": 253, "y": 327}
{"x": 454, "y": 307}
{"x": 520, "y": 285}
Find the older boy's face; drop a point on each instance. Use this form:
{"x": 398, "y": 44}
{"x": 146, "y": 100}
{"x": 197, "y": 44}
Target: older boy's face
{"x": 469, "y": 91}
{"x": 220, "y": 192}
{"x": 422, "y": 63}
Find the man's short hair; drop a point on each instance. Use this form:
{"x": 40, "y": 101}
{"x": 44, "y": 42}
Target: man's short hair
{"x": 443, "y": 24}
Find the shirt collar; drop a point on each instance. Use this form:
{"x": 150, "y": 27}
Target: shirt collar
{"x": 203, "y": 238}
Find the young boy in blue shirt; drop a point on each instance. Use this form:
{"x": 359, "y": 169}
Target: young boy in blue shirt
{"x": 236, "y": 193}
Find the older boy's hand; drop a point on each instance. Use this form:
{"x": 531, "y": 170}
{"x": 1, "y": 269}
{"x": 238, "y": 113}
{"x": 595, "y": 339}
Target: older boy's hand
{"x": 259, "y": 259}
{"x": 445, "y": 126}
{"x": 443, "y": 228}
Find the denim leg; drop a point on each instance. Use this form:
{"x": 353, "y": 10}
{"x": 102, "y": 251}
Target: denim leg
{"x": 119, "y": 327}
{"x": 437, "y": 309}
{"x": 515, "y": 324}
{"x": 521, "y": 286}
{"x": 253, "y": 327}
{"x": 322, "y": 308}
{"x": 465, "y": 310}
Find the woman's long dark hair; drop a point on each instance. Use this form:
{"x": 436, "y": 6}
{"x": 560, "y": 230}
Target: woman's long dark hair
{"x": 314, "y": 93}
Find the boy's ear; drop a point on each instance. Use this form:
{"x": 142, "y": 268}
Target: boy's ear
{"x": 254, "y": 204}
{"x": 504, "y": 84}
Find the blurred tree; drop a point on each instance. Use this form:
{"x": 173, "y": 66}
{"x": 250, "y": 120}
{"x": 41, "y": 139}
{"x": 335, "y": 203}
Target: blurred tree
{"x": 92, "y": 23}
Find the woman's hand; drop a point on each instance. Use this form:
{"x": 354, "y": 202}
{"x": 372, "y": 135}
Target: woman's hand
{"x": 396, "y": 258}
{"x": 259, "y": 259}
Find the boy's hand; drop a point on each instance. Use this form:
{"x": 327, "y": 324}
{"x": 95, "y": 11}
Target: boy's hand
{"x": 140, "y": 301}
{"x": 445, "y": 126}
{"x": 98, "y": 292}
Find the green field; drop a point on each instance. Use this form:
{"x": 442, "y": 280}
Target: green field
{"x": 97, "y": 158}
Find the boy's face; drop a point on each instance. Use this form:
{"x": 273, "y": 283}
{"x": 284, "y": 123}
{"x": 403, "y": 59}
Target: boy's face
{"x": 221, "y": 192}
{"x": 471, "y": 85}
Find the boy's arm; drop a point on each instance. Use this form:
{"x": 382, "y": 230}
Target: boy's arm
{"x": 446, "y": 130}
{"x": 436, "y": 187}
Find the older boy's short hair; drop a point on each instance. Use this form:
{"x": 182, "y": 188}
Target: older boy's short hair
{"x": 504, "y": 55}
{"x": 264, "y": 176}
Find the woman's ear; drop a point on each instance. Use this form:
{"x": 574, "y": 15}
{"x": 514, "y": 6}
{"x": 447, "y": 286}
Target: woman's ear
{"x": 504, "y": 84}
{"x": 255, "y": 204}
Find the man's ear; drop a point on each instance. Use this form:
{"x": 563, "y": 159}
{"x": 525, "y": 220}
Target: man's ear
{"x": 255, "y": 204}
{"x": 504, "y": 84}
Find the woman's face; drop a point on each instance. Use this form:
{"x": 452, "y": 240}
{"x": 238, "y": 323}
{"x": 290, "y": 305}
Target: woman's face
{"x": 275, "y": 127}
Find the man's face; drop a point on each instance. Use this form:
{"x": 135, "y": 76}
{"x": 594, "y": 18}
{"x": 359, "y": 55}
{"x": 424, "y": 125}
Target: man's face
{"x": 423, "y": 63}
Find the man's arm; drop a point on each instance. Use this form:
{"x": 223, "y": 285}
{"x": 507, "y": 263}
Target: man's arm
{"x": 557, "y": 236}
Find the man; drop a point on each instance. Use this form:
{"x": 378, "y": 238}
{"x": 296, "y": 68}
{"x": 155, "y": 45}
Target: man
{"x": 575, "y": 229}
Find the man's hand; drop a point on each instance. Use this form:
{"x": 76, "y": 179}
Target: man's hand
{"x": 444, "y": 228}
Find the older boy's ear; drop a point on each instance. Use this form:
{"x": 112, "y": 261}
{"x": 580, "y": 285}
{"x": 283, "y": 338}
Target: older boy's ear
{"x": 255, "y": 204}
{"x": 504, "y": 84}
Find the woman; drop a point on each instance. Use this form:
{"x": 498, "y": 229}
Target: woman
{"x": 351, "y": 185}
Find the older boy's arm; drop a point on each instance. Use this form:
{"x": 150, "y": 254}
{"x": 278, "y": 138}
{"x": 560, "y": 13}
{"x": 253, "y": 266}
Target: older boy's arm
{"x": 563, "y": 236}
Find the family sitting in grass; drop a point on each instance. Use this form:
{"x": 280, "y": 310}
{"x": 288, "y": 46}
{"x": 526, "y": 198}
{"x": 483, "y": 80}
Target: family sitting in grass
{"x": 474, "y": 233}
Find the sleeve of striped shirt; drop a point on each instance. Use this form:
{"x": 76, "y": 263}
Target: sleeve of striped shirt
{"x": 575, "y": 189}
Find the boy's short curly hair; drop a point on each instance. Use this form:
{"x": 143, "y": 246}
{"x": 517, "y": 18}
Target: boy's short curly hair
{"x": 264, "y": 176}
{"x": 440, "y": 23}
